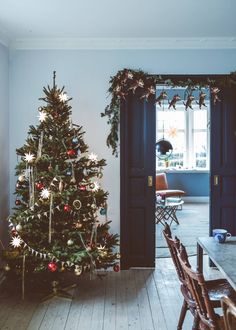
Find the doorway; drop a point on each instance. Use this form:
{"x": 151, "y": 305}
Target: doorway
{"x": 137, "y": 143}
{"x": 186, "y": 126}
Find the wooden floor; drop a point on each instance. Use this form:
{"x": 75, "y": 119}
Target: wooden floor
{"x": 193, "y": 222}
{"x": 133, "y": 299}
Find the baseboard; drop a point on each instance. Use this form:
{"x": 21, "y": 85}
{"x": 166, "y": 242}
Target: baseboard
{"x": 196, "y": 199}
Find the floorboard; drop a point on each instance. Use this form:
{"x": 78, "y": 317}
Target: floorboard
{"x": 135, "y": 299}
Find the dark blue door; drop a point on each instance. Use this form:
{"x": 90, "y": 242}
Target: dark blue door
{"x": 223, "y": 162}
{"x": 138, "y": 181}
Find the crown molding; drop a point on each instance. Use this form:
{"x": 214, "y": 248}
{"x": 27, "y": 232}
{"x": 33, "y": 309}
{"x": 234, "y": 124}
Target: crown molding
{"x": 124, "y": 43}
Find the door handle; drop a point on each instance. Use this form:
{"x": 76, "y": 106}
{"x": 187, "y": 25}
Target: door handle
{"x": 150, "y": 181}
{"x": 216, "y": 180}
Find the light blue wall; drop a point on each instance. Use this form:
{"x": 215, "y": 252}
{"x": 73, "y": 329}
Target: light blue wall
{"x": 194, "y": 184}
{"x": 86, "y": 76}
{"x": 4, "y": 140}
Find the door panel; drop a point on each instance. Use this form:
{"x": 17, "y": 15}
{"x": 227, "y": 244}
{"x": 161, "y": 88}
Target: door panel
{"x": 223, "y": 162}
{"x": 137, "y": 198}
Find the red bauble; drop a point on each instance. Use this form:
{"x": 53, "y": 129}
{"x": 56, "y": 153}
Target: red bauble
{"x": 116, "y": 268}
{"x": 52, "y": 266}
{"x": 71, "y": 152}
{"x": 39, "y": 185}
{"x": 67, "y": 208}
{"x": 82, "y": 188}
{"x": 13, "y": 231}
{"x": 18, "y": 202}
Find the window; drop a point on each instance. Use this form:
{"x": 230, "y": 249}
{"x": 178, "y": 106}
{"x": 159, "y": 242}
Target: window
{"x": 187, "y": 131}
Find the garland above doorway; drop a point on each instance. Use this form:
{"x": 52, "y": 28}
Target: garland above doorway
{"x": 127, "y": 80}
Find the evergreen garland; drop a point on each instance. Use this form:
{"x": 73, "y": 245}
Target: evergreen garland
{"x": 128, "y": 81}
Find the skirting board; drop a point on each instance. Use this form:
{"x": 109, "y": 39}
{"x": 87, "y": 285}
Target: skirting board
{"x": 196, "y": 199}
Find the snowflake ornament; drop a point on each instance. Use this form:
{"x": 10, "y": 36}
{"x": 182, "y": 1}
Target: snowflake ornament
{"x": 93, "y": 157}
{"x": 63, "y": 97}
{"x": 42, "y": 116}
{"x": 45, "y": 193}
{"x": 172, "y": 132}
{"x": 16, "y": 241}
{"x": 29, "y": 157}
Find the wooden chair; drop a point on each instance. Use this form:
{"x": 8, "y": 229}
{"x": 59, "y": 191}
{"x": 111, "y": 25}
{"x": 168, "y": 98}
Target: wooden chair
{"x": 208, "y": 319}
{"x": 216, "y": 288}
{"x": 229, "y": 310}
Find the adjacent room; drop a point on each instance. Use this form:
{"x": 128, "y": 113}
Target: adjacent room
{"x": 118, "y": 170}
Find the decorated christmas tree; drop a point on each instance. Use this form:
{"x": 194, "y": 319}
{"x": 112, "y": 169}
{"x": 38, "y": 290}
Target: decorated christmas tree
{"x": 60, "y": 219}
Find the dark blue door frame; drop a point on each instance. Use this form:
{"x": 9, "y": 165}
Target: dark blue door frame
{"x": 137, "y": 163}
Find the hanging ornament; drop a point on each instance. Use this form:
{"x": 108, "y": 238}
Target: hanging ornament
{"x": 50, "y": 167}
{"x": 13, "y": 231}
{"x": 78, "y": 270}
{"x": 40, "y": 145}
{"x": 82, "y": 188}
{"x": 52, "y": 267}
{"x": 19, "y": 227}
{"x": 161, "y": 98}
{"x": 172, "y": 132}
{"x": 214, "y": 93}
{"x": 68, "y": 172}
{"x": 60, "y": 186}
{"x": 16, "y": 241}
{"x": 118, "y": 256}
{"x": 67, "y": 208}
{"x": 70, "y": 242}
{"x": 79, "y": 225}
{"x": 45, "y": 193}
{"x": 99, "y": 175}
{"x": 21, "y": 178}
{"x": 93, "y": 157}
{"x": 189, "y": 101}
{"x": 39, "y": 185}
{"x": 7, "y": 268}
{"x": 201, "y": 101}
{"x": 71, "y": 152}
{"x": 95, "y": 186}
{"x": 75, "y": 140}
{"x": 29, "y": 157}
{"x": 18, "y": 201}
{"x": 63, "y": 97}
{"x": 77, "y": 204}
{"x": 42, "y": 116}
{"x": 116, "y": 268}
{"x": 103, "y": 211}
{"x": 174, "y": 100}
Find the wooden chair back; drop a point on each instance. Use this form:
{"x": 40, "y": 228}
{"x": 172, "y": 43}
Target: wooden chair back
{"x": 174, "y": 245}
{"x": 197, "y": 286}
{"x": 229, "y": 310}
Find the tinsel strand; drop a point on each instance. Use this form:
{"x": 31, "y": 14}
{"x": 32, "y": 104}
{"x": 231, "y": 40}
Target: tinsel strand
{"x": 50, "y": 220}
{"x": 40, "y": 145}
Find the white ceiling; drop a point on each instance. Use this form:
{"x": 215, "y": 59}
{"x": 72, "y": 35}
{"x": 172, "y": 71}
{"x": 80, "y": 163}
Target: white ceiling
{"x": 49, "y": 19}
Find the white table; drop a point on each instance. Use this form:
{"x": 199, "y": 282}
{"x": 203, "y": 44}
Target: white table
{"x": 223, "y": 256}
